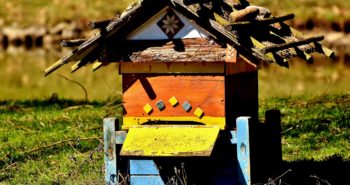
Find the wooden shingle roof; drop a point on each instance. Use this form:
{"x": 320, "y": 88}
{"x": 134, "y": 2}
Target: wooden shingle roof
{"x": 251, "y": 30}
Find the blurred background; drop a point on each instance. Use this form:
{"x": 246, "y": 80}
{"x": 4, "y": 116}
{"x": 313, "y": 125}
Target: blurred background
{"x": 30, "y": 32}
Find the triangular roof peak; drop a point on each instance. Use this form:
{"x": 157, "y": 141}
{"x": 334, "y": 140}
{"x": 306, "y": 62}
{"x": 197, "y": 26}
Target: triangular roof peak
{"x": 167, "y": 24}
{"x": 251, "y": 30}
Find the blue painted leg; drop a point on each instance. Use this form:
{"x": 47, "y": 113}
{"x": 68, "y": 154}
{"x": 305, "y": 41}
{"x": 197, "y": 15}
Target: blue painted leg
{"x": 144, "y": 172}
{"x": 243, "y": 151}
{"x": 110, "y": 157}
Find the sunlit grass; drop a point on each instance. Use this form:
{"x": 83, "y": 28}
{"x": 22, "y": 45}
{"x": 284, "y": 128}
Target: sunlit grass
{"x": 55, "y": 142}
{"x": 313, "y": 128}
{"x": 43, "y": 12}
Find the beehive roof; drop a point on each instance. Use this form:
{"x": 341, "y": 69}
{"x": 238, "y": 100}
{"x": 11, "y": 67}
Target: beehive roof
{"x": 251, "y": 30}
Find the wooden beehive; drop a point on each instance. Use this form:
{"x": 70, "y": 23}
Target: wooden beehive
{"x": 189, "y": 62}
{"x": 189, "y": 69}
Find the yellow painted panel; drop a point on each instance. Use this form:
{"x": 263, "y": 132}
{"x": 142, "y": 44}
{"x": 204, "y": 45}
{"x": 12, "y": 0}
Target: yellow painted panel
{"x": 169, "y": 141}
{"x": 129, "y": 122}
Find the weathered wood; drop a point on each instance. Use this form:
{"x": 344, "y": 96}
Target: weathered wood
{"x": 244, "y": 14}
{"x": 110, "y": 156}
{"x": 137, "y": 12}
{"x": 300, "y": 52}
{"x": 208, "y": 54}
{"x": 72, "y": 43}
{"x": 243, "y": 151}
{"x": 256, "y": 53}
{"x": 215, "y": 28}
{"x": 99, "y": 24}
{"x": 287, "y": 45}
{"x": 172, "y": 68}
{"x": 270, "y": 20}
{"x": 182, "y": 50}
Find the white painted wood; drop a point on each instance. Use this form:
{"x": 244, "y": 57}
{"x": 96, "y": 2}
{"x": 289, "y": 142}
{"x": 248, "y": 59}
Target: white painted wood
{"x": 151, "y": 31}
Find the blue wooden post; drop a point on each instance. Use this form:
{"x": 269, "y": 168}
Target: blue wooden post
{"x": 144, "y": 172}
{"x": 110, "y": 157}
{"x": 243, "y": 151}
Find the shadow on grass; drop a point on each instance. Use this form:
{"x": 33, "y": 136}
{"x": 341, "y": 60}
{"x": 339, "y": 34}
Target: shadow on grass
{"x": 331, "y": 171}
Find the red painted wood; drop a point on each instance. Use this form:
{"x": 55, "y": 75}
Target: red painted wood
{"x": 205, "y": 92}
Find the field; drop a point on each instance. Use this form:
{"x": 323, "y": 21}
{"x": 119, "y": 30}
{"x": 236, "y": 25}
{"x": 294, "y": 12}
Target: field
{"x": 60, "y": 141}
{"x": 51, "y": 128}
{"x": 49, "y": 13}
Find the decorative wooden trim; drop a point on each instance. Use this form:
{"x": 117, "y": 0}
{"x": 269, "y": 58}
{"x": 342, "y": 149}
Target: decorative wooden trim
{"x": 172, "y": 68}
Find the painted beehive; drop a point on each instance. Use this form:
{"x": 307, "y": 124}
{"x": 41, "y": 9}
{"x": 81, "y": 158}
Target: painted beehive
{"x": 190, "y": 63}
{"x": 189, "y": 69}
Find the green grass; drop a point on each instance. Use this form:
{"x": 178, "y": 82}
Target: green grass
{"x": 43, "y": 12}
{"x": 40, "y": 139}
{"x": 314, "y": 128}
{"x": 46, "y": 142}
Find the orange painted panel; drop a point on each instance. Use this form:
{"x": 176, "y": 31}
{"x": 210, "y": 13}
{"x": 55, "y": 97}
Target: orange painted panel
{"x": 204, "y": 92}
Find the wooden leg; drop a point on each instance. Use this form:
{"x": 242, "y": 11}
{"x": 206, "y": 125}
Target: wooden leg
{"x": 110, "y": 157}
{"x": 243, "y": 151}
{"x": 144, "y": 172}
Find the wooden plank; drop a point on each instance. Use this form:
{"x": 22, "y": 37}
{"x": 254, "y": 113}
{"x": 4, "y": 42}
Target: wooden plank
{"x": 261, "y": 46}
{"x": 240, "y": 66}
{"x": 217, "y": 29}
{"x": 243, "y": 151}
{"x": 170, "y": 141}
{"x": 297, "y": 51}
{"x": 143, "y": 167}
{"x": 72, "y": 43}
{"x": 205, "y": 92}
{"x": 207, "y": 53}
{"x": 146, "y": 180}
{"x": 144, "y": 172}
{"x": 266, "y": 21}
{"x": 172, "y": 68}
{"x": 319, "y": 48}
{"x": 140, "y": 13}
{"x": 109, "y": 128}
{"x": 287, "y": 45}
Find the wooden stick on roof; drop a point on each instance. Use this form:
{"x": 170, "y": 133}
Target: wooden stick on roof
{"x": 270, "y": 20}
{"x": 72, "y": 43}
{"x": 99, "y": 24}
{"x": 287, "y": 45}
